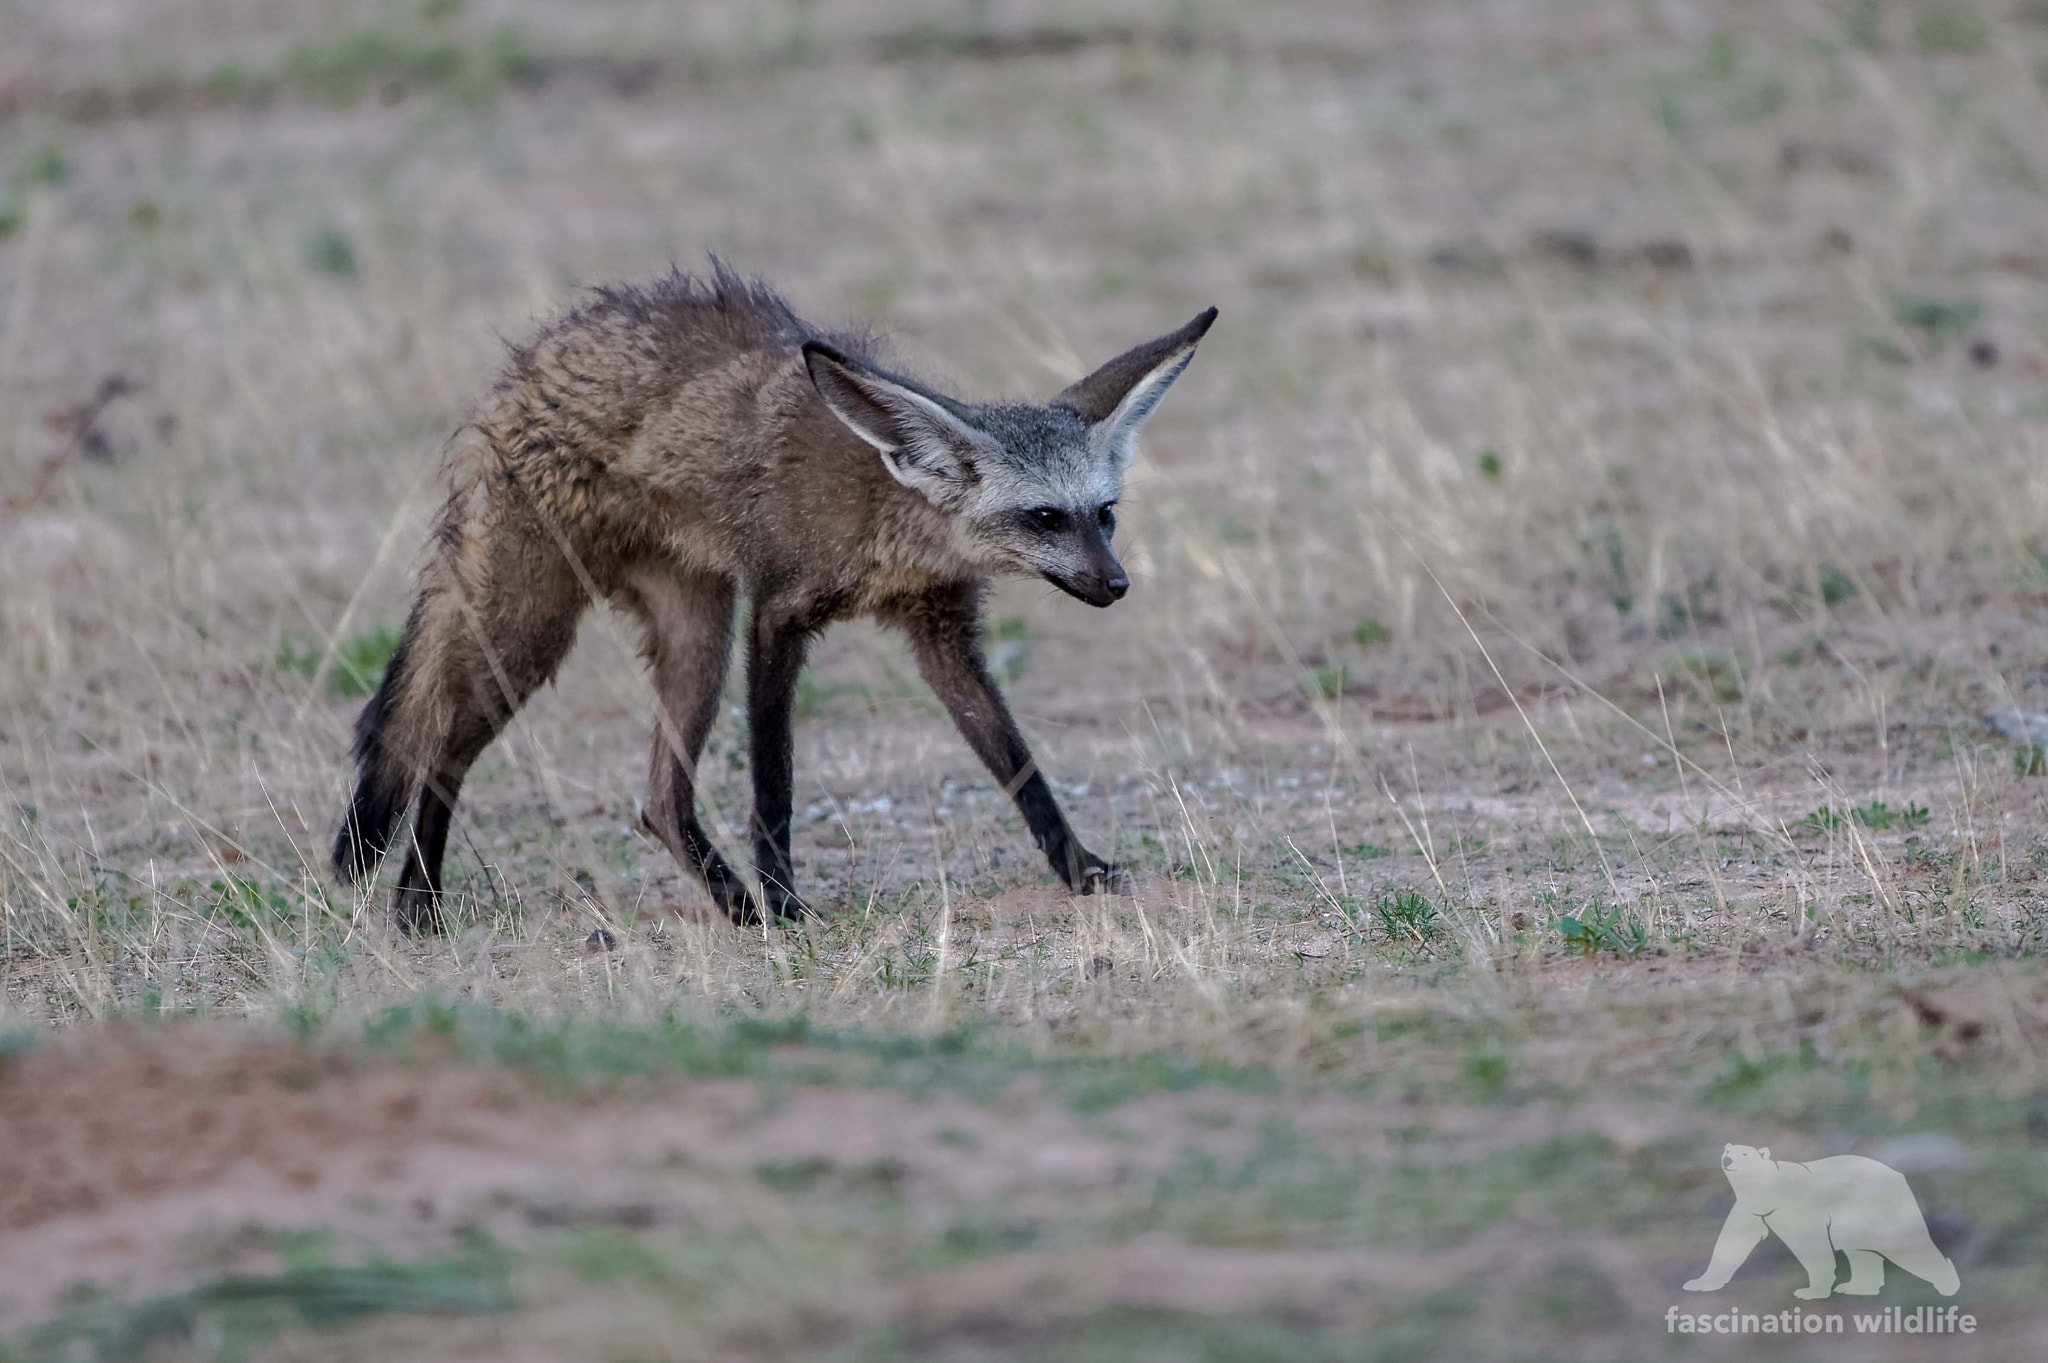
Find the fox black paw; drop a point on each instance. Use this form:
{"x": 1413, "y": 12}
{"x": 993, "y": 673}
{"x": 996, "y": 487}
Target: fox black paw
{"x": 1100, "y": 877}
{"x": 739, "y": 904}
{"x": 417, "y": 911}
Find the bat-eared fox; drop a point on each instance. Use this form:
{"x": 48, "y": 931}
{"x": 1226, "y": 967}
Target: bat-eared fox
{"x": 673, "y": 447}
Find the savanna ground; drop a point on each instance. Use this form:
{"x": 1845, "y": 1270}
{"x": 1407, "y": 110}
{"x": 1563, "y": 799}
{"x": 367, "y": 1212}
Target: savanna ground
{"x": 1547, "y": 731}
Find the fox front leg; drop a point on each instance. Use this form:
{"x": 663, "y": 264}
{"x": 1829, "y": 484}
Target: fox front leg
{"x": 775, "y": 656}
{"x": 945, "y": 634}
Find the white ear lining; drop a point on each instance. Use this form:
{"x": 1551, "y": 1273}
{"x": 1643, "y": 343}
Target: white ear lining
{"x": 848, "y": 419}
{"x": 922, "y": 418}
{"x": 1137, "y": 407}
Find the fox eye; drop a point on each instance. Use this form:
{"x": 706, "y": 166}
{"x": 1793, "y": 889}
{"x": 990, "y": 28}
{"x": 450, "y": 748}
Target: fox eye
{"x": 1048, "y": 518}
{"x": 1105, "y": 515}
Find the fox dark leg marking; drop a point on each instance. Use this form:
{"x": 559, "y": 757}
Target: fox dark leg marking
{"x": 775, "y": 657}
{"x": 382, "y": 784}
{"x": 417, "y": 901}
{"x": 689, "y": 627}
{"x": 945, "y": 634}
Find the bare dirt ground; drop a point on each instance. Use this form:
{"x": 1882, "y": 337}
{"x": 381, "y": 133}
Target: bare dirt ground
{"x": 1547, "y": 733}
{"x": 218, "y": 1190}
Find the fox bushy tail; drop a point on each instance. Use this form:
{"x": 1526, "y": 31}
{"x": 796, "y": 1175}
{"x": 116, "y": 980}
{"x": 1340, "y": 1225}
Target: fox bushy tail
{"x": 384, "y": 777}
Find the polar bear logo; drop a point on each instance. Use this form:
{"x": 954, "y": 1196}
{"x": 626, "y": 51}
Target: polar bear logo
{"x": 1845, "y": 1203}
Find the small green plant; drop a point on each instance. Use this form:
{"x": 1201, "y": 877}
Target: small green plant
{"x": 1325, "y": 681}
{"x": 1937, "y": 320}
{"x": 1490, "y": 465}
{"x": 2030, "y": 759}
{"x": 1836, "y": 586}
{"x": 242, "y": 903}
{"x": 47, "y": 169}
{"x": 1407, "y": 916}
{"x": 360, "y": 662}
{"x": 1878, "y": 814}
{"x": 330, "y": 252}
{"x": 1601, "y": 926}
{"x": 1485, "y": 1070}
{"x": 1367, "y": 851}
{"x": 1826, "y": 819}
{"x": 1371, "y": 633}
{"x": 613, "y": 1254}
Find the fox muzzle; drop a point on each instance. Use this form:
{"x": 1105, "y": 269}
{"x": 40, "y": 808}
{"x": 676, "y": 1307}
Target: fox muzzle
{"x": 1102, "y": 582}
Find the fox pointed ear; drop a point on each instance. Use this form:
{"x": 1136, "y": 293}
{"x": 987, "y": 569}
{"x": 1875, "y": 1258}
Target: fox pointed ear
{"x": 1117, "y": 398}
{"x": 925, "y": 443}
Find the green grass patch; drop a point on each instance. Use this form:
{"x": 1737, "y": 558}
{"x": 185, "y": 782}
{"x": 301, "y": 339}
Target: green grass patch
{"x": 1406, "y": 916}
{"x": 582, "y": 1051}
{"x": 1836, "y": 586}
{"x": 1936, "y": 321}
{"x": 344, "y": 68}
{"x": 1325, "y": 681}
{"x": 245, "y": 1314}
{"x": 1370, "y": 633}
{"x": 359, "y": 662}
{"x": 330, "y": 252}
{"x": 1600, "y": 926}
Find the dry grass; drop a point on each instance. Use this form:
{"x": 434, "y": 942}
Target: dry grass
{"x": 1568, "y": 588}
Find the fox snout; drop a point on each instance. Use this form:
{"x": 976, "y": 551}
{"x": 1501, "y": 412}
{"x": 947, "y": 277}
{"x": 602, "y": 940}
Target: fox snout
{"x": 1095, "y": 589}
{"x": 1100, "y": 580}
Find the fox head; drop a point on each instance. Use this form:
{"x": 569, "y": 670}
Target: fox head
{"x": 1032, "y": 490}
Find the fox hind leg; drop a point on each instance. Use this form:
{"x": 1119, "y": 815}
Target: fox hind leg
{"x": 482, "y": 651}
{"x": 688, "y": 619}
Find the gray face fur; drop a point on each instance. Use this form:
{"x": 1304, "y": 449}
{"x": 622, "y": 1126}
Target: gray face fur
{"x": 1031, "y": 489}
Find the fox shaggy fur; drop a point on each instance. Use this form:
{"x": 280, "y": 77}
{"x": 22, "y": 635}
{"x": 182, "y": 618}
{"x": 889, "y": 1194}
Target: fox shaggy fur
{"x": 673, "y": 447}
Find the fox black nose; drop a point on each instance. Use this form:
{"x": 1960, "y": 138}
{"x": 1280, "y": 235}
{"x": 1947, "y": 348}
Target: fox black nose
{"x": 1117, "y": 586}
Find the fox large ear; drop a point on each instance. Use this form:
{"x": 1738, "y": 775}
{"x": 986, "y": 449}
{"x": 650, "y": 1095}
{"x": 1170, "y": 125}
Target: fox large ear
{"x": 926, "y": 445}
{"x": 1117, "y": 398}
